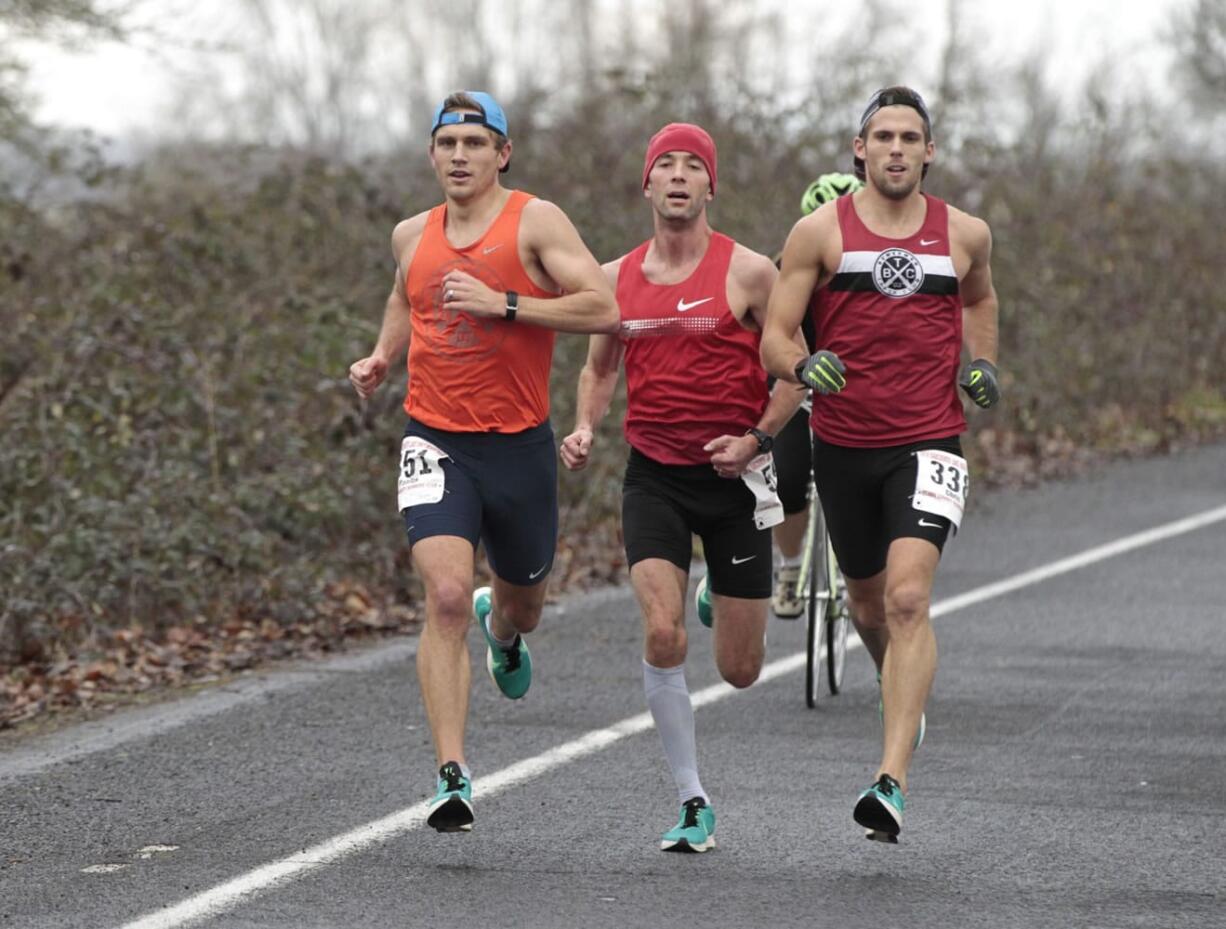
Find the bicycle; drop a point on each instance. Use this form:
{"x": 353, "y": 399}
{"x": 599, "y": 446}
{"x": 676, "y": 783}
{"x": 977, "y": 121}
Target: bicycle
{"x": 825, "y": 595}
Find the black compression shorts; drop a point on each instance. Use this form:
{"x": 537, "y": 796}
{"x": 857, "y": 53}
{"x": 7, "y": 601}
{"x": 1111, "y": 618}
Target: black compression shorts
{"x": 663, "y": 506}
{"x": 793, "y": 453}
{"x": 866, "y": 496}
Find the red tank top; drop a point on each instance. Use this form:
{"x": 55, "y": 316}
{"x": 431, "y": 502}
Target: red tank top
{"x": 472, "y": 373}
{"x": 692, "y": 370}
{"x": 893, "y": 314}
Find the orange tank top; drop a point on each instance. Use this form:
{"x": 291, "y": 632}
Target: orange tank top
{"x": 471, "y": 373}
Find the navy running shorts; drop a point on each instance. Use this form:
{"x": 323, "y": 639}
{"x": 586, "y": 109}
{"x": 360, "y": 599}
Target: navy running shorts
{"x": 499, "y": 488}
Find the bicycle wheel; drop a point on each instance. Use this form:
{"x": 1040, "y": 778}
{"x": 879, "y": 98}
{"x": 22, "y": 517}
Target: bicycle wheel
{"x": 838, "y": 619}
{"x": 817, "y": 543}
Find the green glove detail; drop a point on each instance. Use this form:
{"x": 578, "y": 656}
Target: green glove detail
{"x": 980, "y": 383}
{"x": 822, "y": 372}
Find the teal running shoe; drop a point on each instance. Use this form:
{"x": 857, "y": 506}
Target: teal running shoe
{"x": 879, "y": 810}
{"x": 510, "y": 669}
{"x": 923, "y": 726}
{"x": 695, "y": 832}
{"x": 702, "y": 602}
{"x": 452, "y": 807}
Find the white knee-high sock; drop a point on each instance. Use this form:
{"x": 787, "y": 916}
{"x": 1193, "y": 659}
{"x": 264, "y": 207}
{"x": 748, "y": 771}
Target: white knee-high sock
{"x": 668, "y": 698}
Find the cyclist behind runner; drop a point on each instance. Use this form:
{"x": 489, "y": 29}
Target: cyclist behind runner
{"x": 482, "y": 282}
{"x": 896, "y": 281}
{"x": 794, "y": 445}
{"x": 699, "y": 422}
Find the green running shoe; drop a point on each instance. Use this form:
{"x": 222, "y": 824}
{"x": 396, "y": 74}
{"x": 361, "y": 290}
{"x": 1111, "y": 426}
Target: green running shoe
{"x": 702, "y": 602}
{"x": 923, "y": 726}
{"x": 452, "y": 808}
{"x": 696, "y": 830}
{"x": 511, "y": 668}
{"x": 879, "y": 810}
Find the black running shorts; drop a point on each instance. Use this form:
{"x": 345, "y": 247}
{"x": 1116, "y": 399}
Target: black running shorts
{"x": 793, "y": 454}
{"x": 664, "y": 506}
{"x": 499, "y": 488}
{"x": 866, "y": 496}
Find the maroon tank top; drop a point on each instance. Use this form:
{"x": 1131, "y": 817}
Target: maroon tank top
{"x": 893, "y": 314}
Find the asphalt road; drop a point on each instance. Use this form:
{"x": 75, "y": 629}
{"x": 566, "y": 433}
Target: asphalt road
{"x": 1074, "y": 773}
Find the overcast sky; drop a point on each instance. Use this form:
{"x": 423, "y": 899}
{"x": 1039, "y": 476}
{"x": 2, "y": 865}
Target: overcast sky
{"x": 117, "y": 90}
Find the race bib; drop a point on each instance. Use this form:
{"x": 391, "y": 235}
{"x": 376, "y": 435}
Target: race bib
{"x": 760, "y": 478}
{"x": 941, "y": 484}
{"x": 421, "y": 473}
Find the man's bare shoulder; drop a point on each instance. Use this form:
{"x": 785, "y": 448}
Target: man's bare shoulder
{"x": 821, "y": 222}
{"x": 612, "y": 269}
{"x": 971, "y": 231}
{"x": 750, "y": 268}
{"x": 408, "y": 231}
{"x": 815, "y": 240}
{"x": 543, "y": 213}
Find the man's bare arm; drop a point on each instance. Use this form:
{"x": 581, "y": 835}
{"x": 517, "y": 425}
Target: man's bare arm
{"x": 757, "y": 277}
{"x": 799, "y": 275}
{"x": 597, "y": 382}
{"x": 980, "y": 309}
{"x": 586, "y": 302}
{"x": 368, "y": 373}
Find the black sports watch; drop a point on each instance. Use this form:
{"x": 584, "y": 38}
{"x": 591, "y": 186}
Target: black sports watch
{"x": 512, "y": 306}
{"x": 766, "y": 441}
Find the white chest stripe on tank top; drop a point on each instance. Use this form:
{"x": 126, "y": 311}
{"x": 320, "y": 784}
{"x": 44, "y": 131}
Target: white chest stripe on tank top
{"x": 863, "y": 262}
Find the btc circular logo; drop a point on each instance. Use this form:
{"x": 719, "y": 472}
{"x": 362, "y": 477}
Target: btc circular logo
{"x": 897, "y": 273}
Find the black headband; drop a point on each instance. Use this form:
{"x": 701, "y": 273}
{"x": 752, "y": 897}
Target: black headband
{"x": 904, "y": 97}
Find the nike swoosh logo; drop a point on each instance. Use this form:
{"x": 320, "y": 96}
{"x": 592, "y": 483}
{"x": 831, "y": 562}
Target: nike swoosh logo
{"x": 537, "y": 573}
{"x": 494, "y": 248}
{"x": 931, "y": 525}
{"x": 736, "y": 560}
{"x": 929, "y": 241}
{"x": 682, "y": 306}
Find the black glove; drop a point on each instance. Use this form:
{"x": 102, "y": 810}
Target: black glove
{"x": 822, "y": 372}
{"x": 979, "y": 381}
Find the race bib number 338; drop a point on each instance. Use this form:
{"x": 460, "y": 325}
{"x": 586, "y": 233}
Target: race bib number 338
{"x": 421, "y": 473}
{"x": 941, "y": 484}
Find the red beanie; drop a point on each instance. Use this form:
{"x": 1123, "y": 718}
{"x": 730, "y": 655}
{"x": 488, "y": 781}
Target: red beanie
{"x": 681, "y": 137}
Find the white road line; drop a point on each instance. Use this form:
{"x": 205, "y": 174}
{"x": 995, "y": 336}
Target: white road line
{"x": 1088, "y": 557}
{"x": 100, "y": 735}
{"x": 225, "y": 896}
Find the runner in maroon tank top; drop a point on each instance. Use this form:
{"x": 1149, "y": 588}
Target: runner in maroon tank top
{"x": 896, "y": 282}
{"x": 700, "y": 424}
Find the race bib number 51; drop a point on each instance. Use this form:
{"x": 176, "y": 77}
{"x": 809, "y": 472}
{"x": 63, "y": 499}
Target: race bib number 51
{"x": 421, "y": 473}
{"x": 759, "y": 477}
{"x": 941, "y": 484}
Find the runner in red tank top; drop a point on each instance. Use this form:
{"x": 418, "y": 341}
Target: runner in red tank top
{"x": 897, "y": 282}
{"x": 482, "y": 282}
{"x": 700, "y": 423}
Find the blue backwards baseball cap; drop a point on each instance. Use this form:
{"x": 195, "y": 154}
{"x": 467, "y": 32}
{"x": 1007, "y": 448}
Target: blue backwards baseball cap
{"x": 491, "y": 116}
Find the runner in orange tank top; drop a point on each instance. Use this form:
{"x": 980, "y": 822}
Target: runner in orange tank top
{"x": 482, "y": 283}
{"x": 700, "y": 424}
{"x": 897, "y": 282}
